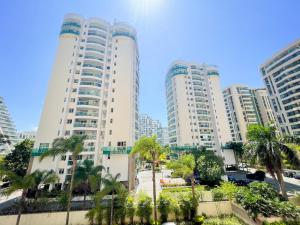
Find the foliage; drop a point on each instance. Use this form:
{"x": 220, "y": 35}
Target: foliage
{"x": 183, "y": 167}
{"x": 199, "y": 220}
{"x": 120, "y": 205}
{"x": 188, "y": 204}
{"x": 268, "y": 147}
{"x": 182, "y": 189}
{"x": 62, "y": 199}
{"x": 164, "y": 206}
{"x": 237, "y": 148}
{"x": 261, "y": 198}
{"x": 294, "y": 222}
{"x": 218, "y": 194}
{"x": 43, "y": 177}
{"x": 130, "y": 208}
{"x": 228, "y": 220}
{"x": 229, "y": 189}
{"x": 210, "y": 167}
{"x": 17, "y": 161}
{"x": 144, "y": 208}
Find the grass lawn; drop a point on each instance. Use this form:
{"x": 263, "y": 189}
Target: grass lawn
{"x": 226, "y": 220}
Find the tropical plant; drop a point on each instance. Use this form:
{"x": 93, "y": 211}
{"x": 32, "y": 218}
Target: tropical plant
{"x": 18, "y": 183}
{"x": 229, "y": 189}
{"x": 130, "y": 208}
{"x": 148, "y": 148}
{"x": 88, "y": 177}
{"x": 261, "y": 198}
{"x": 17, "y": 161}
{"x": 120, "y": 205}
{"x": 96, "y": 214}
{"x": 266, "y": 146}
{"x": 43, "y": 177}
{"x": 74, "y": 146}
{"x": 164, "y": 206}
{"x": 144, "y": 208}
{"x": 210, "y": 167}
{"x": 188, "y": 204}
{"x": 113, "y": 186}
{"x": 184, "y": 167}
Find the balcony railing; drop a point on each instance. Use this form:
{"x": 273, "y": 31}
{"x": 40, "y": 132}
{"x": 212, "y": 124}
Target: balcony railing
{"x": 85, "y": 125}
{"x": 38, "y": 151}
{"x": 116, "y": 150}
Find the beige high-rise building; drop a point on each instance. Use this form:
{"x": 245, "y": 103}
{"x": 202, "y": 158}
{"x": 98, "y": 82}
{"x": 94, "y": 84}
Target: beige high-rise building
{"x": 241, "y": 111}
{"x": 93, "y": 91}
{"x": 263, "y": 105}
{"x": 195, "y": 106}
{"x": 282, "y": 79}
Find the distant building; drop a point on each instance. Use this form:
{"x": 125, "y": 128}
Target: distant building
{"x": 149, "y": 127}
{"x": 27, "y": 135}
{"x": 195, "y": 106}
{"x": 164, "y": 140}
{"x": 282, "y": 79}
{"x": 263, "y": 105}
{"x": 241, "y": 110}
{"x": 7, "y": 126}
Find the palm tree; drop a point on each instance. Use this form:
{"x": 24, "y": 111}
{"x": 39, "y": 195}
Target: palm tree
{"x": 43, "y": 177}
{"x": 269, "y": 147}
{"x": 88, "y": 176}
{"x": 18, "y": 183}
{"x": 73, "y": 145}
{"x": 111, "y": 184}
{"x": 148, "y": 148}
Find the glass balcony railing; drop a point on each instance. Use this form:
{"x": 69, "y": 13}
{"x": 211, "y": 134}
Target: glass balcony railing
{"x": 86, "y": 114}
{"x": 38, "y": 151}
{"x": 93, "y": 57}
{"x": 88, "y": 125}
{"x": 89, "y": 92}
{"x": 88, "y": 103}
{"x": 116, "y": 150}
{"x": 92, "y": 66}
{"x": 91, "y": 75}
{"x": 96, "y": 84}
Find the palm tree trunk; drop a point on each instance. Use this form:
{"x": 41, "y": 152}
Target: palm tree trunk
{"x": 21, "y": 207}
{"x": 193, "y": 187}
{"x": 71, "y": 189}
{"x": 154, "y": 191}
{"x": 112, "y": 208}
{"x": 281, "y": 184}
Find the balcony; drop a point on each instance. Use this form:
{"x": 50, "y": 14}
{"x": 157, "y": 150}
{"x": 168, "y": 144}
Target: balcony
{"x": 87, "y": 113}
{"x": 87, "y": 125}
{"x": 89, "y": 92}
{"x": 38, "y": 151}
{"x": 116, "y": 150}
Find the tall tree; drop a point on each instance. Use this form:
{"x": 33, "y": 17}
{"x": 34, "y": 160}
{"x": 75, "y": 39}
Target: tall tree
{"x": 268, "y": 147}
{"x": 74, "y": 146}
{"x": 17, "y": 161}
{"x": 43, "y": 177}
{"x": 148, "y": 148}
{"x": 88, "y": 177}
{"x": 112, "y": 185}
{"x": 18, "y": 183}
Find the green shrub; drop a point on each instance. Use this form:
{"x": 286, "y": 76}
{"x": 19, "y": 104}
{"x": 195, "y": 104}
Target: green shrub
{"x": 183, "y": 189}
{"x": 217, "y": 194}
{"x": 188, "y": 205}
{"x": 261, "y": 198}
{"x": 164, "y": 206}
{"x": 144, "y": 208}
{"x": 228, "y": 220}
{"x": 199, "y": 220}
{"x": 130, "y": 208}
{"x": 229, "y": 189}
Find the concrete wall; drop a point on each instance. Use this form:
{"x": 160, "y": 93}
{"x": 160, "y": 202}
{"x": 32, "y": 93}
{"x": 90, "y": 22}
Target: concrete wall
{"x": 229, "y": 158}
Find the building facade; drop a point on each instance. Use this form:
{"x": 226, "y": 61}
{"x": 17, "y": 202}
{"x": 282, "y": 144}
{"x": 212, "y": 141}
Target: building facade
{"x": 27, "y": 135}
{"x": 263, "y": 106}
{"x": 282, "y": 79}
{"x": 149, "y": 127}
{"x": 241, "y": 110}
{"x": 7, "y": 126}
{"x": 195, "y": 106}
{"x": 93, "y": 91}
{"x": 164, "y": 140}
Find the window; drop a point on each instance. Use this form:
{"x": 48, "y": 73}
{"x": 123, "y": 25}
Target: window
{"x": 69, "y": 121}
{"x": 63, "y": 158}
{"x": 74, "y": 89}
{"x": 67, "y": 132}
{"x": 44, "y": 145}
{"x": 76, "y": 81}
{"x": 113, "y": 90}
{"x": 114, "y": 72}
{"x": 111, "y": 120}
{"x": 71, "y": 110}
{"x": 112, "y": 100}
{"x": 108, "y": 67}
{"x": 114, "y": 81}
{"x": 112, "y": 110}
{"x": 72, "y": 99}
{"x": 121, "y": 143}
{"x": 110, "y": 132}
{"x": 61, "y": 171}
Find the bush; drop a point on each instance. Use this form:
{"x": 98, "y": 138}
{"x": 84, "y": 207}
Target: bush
{"x": 228, "y": 189}
{"x": 199, "y": 220}
{"x": 188, "y": 205}
{"x": 261, "y": 198}
{"x": 130, "y": 208}
{"x": 210, "y": 167}
{"x": 230, "y": 220}
{"x": 183, "y": 189}
{"x": 144, "y": 208}
{"x": 164, "y": 206}
{"x": 218, "y": 194}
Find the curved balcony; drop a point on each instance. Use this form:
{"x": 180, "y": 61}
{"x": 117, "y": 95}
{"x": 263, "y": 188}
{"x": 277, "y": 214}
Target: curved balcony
{"x": 89, "y": 92}
{"x": 82, "y": 112}
{"x": 90, "y": 135}
{"x": 94, "y": 48}
{"x": 85, "y": 123}
{"x": 88, "y": 102}
{"x": 91, "y": 82}
{"x": 96, "y": 40}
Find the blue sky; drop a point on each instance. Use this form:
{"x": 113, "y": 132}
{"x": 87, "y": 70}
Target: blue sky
{"x": 235, "y": 35}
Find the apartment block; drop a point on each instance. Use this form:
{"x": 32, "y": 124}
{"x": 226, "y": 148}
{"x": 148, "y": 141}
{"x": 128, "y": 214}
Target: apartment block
{"x": 93, "y": 91}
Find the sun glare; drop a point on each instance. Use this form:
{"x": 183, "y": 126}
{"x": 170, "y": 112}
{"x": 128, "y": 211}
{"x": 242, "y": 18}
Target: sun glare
{"x": 146, "y": 7}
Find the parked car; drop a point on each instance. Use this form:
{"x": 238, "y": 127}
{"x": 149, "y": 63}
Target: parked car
{"x": 239, "y": 182}
{"x": 289, "y": 173}
{"x": 258, "y": 175}
{"x": 297, "y": 176}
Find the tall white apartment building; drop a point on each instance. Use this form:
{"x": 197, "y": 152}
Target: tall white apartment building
{"x": 263, "y": 105}
{"x": 7, "y": 127}
{"x": 241, "y": 110}
{"x": 164, "y": 140}
{"x": 195, "y": 106}
{"x": 281, "y": 75}
{"x": 93, "y": 91}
